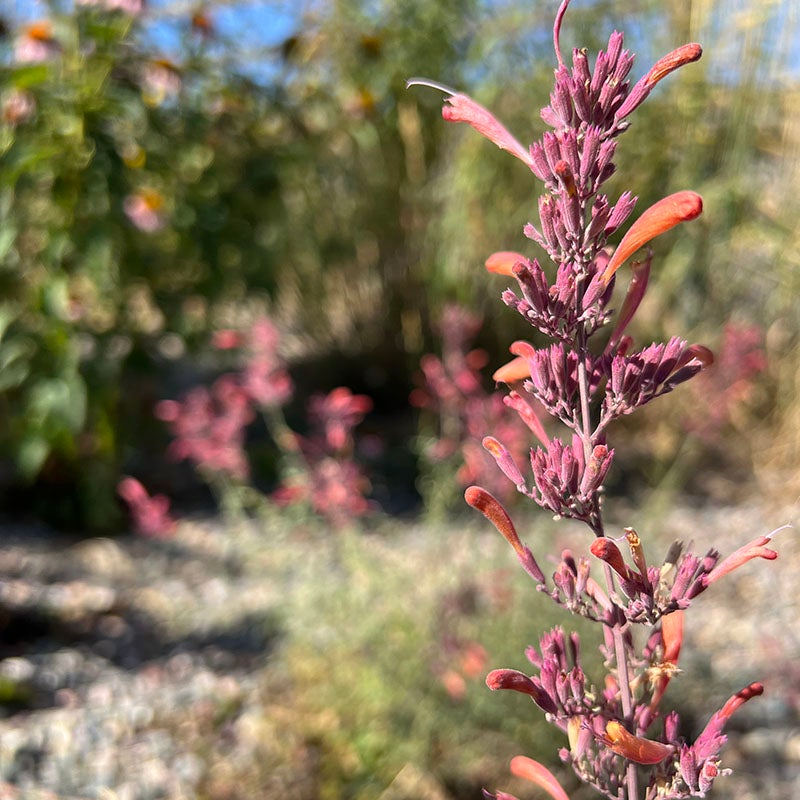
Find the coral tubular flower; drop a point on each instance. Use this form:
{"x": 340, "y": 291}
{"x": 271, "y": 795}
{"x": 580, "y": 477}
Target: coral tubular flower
{"x": 685, "y": 54}
{"x": 671, "y": 639}
{"x": 502, "y": 263}
{"x": 516, "y": 370}
{"x": 517, "y": 681}
{"x": 490, "y": 507}
{"x": 533, "y": 771}
{"x": 672, "y": 635}
{"x": 635, "y": 748}
{"x": 527, "y": 415}
{"x": 464, "y": 109}
{"x": 755, "y": 549}
{"x": 659, "y": 218}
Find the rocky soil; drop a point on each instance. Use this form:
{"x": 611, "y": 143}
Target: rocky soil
{"x": 140, "y": 669}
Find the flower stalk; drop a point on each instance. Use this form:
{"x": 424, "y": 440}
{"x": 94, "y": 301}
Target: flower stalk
{"x": 620, "y": 740}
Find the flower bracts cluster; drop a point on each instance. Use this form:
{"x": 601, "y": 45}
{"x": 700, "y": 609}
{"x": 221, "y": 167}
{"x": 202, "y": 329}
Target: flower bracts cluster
{"x": 618, "y": 738}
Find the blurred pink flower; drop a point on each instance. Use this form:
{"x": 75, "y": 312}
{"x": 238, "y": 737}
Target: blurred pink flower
{"x": 150, "y": 515}
{"x": 337, "y": 413}
{"x": 209, "y": 427}
{"x": 720, "y": 395}
{"x": 265, "y": 378}
{"x": 452, "y": 388}
{"x": 334, "y": 488}
{"x": 36, "y": 43}
{"x": 161, "y": 80}
{"x": 18, "y": 107}
{"x": 145, "y": 209}
{"x": 227, "y": 339}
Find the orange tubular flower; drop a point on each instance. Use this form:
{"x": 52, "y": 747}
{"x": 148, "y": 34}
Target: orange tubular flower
{"x": 502, "y": 263}
{"x": 531, "y": 770}
{"x": 755, "y": 549}
{"x": 635, "y": 748}
{"x": 659, "y": 218}
{"x": 672, "y": 639}
{"x": 684, "y": 54}
{"x": 515, "y": 370}
{"x": 490, "y": 507}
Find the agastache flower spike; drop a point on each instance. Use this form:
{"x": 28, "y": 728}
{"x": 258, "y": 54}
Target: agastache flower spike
{"x": 586, "y": 388}
{"x": 464, "y": 109}
{"x": 659, "y": 218}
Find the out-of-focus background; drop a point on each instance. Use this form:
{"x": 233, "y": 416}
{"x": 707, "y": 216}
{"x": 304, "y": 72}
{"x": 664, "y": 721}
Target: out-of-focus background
{"x": 246, "y": 342}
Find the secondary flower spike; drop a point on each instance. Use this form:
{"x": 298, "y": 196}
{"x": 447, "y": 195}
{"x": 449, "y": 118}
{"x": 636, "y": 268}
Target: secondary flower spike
{"x": 659, "y": 218}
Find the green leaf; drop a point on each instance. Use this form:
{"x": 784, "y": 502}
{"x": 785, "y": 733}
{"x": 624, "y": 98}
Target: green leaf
{"x": 31, "y": 455}
{"x": 29, "y": 75}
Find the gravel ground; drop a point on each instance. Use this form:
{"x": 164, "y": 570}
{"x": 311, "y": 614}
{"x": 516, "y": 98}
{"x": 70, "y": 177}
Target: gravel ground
{"x": 139, "y": 669}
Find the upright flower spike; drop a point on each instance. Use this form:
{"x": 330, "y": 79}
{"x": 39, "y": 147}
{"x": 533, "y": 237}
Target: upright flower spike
{"x": 585, "y": 388}
{"x": 659, "y": 218}
{"x": 463, "y": 108}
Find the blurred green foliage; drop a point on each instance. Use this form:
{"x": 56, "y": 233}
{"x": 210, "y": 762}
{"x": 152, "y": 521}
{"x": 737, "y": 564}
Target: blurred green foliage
{"x": 144, "y": 200}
